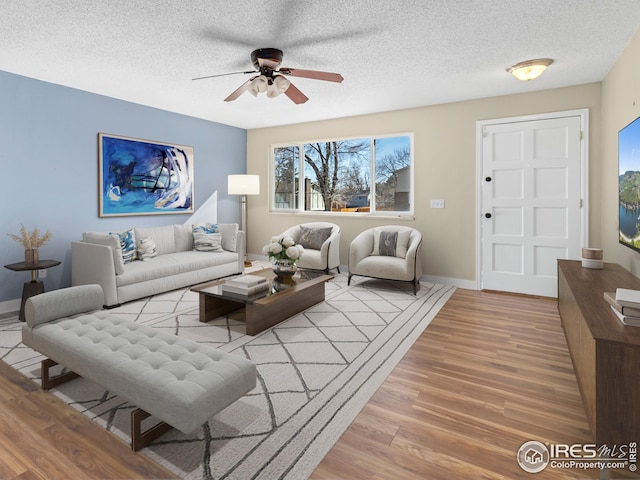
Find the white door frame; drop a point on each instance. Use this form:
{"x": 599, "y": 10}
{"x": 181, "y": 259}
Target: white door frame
{"x": 583, "y": 113}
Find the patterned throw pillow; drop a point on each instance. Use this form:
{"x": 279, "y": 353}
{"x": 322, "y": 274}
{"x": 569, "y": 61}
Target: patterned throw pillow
{"x": 205, "y": 228}
{"x": 146, "y": 248}
{"x": 391, "y": 244}
{"x": 208, "y": 242}
{"x": 313, "y": 238}
{"x": 127, "y": 245}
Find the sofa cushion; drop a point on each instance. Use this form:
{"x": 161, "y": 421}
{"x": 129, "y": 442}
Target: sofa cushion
{"x": 113, "y": 241}
{"x": 229, "y": 233}
{"x": 183, "y": 236}
{"x": 313, "y": 238}
{"x": 162, "y": 236}
{"x": 171, "y": 264}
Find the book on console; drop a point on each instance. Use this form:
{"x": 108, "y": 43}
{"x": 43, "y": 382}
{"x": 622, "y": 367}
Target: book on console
{"x": 628, "y": 298}
{"x": 610, "y": 297}
{"x": 246, "y": 281}
{"x": 261, "y": 287}
{"x": 625, "y": 319}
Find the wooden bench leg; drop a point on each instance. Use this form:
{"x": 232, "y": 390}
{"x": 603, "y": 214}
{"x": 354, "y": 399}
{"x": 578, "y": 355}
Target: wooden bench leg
{"x": 47, "y": 382}
{"x": 139, "y": 438}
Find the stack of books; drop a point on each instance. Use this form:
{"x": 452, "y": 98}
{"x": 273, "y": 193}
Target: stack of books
{"x": 245, "y": 285}
{"x": 625, "y": 303}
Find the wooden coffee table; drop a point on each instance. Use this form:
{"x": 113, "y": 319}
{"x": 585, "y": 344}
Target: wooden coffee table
{"x": 266, "y": 309}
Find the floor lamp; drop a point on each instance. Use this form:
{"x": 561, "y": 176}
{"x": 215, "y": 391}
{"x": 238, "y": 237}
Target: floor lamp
{"x": 244, "y": 185}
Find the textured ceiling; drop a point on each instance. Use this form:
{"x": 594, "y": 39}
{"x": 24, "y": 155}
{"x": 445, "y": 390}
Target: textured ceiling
{"x": 393, "y": 54}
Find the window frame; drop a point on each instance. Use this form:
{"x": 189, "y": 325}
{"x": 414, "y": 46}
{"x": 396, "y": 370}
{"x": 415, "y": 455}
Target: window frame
{"x": 372, "y": 166}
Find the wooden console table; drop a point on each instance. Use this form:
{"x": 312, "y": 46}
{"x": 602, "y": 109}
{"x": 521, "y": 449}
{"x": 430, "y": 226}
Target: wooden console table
{"x": 605, "y": 353}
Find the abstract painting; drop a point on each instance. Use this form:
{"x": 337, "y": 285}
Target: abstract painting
{"x": 141, "y": 177}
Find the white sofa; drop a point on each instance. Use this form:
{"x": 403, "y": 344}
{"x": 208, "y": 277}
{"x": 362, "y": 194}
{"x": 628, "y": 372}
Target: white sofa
{"x": 97, "y": 259}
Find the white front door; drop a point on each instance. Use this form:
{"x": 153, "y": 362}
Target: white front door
{"x": 531, "y": 182}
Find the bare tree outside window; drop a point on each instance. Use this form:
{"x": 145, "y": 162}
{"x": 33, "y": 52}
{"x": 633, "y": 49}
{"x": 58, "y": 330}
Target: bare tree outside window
{"x": 348, "y": 175}
{"x": 393, "y": 175}
{"x": 286, "y": 165}
{"x": 327, "y": 165}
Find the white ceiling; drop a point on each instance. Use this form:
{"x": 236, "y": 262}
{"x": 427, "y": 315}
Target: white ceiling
{"x": 393, "y": 54}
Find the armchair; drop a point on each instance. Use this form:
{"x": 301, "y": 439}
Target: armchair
{"x": 321, "y": 242}
{"x": 389, "y": 252}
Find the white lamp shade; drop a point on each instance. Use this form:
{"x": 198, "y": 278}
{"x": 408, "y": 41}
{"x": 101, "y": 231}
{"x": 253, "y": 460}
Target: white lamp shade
{"x": 243, "y": 185}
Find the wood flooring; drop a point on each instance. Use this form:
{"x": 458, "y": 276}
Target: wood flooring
{"x": 491, "y": 372}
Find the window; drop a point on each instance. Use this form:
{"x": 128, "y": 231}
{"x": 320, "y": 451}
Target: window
{"x": 356, "y": 175}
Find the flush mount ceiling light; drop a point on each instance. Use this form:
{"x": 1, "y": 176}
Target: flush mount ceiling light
{"x": 529, "y": 70}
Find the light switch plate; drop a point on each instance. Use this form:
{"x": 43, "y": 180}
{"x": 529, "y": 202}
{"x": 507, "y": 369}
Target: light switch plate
{"x": 437, "y": 203}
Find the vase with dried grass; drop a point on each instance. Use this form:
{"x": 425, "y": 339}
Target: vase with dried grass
{"x": 31, "y": 241}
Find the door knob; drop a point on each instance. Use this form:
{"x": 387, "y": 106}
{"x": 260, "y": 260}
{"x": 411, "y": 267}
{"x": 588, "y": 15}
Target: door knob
{"x": 487, "y": 215}
{"x": 487, "y": 179}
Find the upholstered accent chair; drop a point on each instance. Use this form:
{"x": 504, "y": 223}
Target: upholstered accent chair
{"x": 389, "y": 252}
{"x": 321, "y": 242}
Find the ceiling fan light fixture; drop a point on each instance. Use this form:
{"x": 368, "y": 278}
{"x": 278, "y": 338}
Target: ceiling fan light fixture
{"x": 277, "y": 86}
{"x": 258, "y": 85}
{"x": 529, "y": 69}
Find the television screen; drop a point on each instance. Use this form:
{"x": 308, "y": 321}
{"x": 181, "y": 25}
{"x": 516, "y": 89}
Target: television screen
{"x": 629, "y": 185}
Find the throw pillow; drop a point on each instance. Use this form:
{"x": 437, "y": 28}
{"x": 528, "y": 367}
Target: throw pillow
{"x": 146, "y": 248}
{"x": 313, "y": 238}
{"x": 205, "y": 228}
{"x": 127, "y": 245}
{"x": 391, "y": 243}
{"x": 208, "y": 242}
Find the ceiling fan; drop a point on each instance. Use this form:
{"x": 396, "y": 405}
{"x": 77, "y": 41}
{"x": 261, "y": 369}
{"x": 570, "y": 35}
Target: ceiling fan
{"x": 271, "y": 77}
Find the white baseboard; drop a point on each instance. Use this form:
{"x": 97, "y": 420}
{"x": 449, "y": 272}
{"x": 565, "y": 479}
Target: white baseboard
{"x": 456, "y": 282}
{"x": 10, "y": 306}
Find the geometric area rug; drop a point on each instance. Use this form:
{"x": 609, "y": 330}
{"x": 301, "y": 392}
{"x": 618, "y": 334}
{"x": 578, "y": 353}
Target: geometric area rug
{"x": 316, "y": 371}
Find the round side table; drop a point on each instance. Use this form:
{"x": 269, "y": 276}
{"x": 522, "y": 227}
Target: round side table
{"x": 35, "y": 286}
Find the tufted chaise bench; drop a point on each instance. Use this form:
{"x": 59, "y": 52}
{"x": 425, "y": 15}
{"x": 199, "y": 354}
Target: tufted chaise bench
{"x": 180, "y": 382}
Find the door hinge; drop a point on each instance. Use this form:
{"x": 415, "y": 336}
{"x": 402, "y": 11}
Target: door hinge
{"x": 580, "y": 203}
{"x": 581, "y": 135}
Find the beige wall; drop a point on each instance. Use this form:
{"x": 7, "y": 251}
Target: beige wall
{"x": 445, "y": 168}
{"x": 620, "y": 105}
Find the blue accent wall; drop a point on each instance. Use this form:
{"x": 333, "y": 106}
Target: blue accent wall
{"x": 49, "y": 167}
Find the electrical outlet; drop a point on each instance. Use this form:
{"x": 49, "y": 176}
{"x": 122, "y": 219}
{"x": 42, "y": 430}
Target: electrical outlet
{"x": 437, "y": 203}
{"x": 42, "y": 273}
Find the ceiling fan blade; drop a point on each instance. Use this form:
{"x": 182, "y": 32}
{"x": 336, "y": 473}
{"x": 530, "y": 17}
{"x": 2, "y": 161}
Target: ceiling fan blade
{"x": 295, "y": 95}
{"x": 239, "y": 91}
{"x": 222, "y": 75}
{"x": 315, "y": 74}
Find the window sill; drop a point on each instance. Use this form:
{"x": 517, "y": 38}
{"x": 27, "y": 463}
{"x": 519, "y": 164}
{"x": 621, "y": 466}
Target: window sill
{"x": 408, "y": 217}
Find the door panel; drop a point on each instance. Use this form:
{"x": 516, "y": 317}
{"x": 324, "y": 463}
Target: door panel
{"x": 531, "y": 179}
